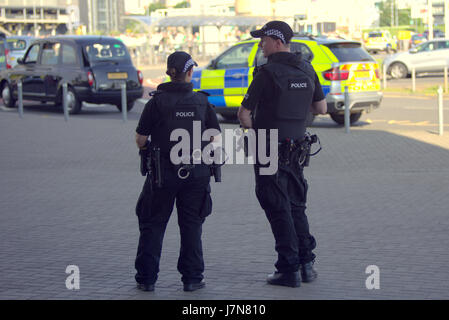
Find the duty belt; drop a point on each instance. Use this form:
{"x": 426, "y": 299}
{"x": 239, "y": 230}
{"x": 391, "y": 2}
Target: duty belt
{"x": 298, "y": 151}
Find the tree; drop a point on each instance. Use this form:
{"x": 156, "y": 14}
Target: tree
{"x": 155, "y": 6}
{"x": 184, "y": 4}
{"x": 404, "y": 15}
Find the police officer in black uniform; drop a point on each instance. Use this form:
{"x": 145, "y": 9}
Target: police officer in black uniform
{"x": 174, "y": 106}
{"x": 281, "y": 95}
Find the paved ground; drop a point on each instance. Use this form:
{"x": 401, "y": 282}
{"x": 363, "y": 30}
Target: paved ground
{"x": 378, "y": 196}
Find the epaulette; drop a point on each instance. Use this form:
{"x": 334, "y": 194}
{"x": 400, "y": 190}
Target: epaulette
{"x": 204, "y": 92}
{"x": 155, "y": 92}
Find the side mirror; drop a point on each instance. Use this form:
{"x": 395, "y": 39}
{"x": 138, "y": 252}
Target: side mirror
{"x": 212, "y": 64}
{"x": 20, "y": 61}
{"x": 413, "y": 50}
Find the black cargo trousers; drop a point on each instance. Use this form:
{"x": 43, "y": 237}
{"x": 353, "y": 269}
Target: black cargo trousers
{"x": 154, "y": 207}
{"x": 283, "y": 197}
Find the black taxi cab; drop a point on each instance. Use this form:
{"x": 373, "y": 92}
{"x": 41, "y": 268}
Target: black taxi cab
{"x": 94, "y": 68}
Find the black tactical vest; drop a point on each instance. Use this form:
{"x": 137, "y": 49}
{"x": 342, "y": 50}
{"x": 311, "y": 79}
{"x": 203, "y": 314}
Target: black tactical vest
{"x": 179, "y": 110}
{"x": 294, "y": 90}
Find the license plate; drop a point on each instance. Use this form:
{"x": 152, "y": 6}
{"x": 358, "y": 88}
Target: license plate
{"x": 362, "y": 75}
{"x": 118, "y": 75}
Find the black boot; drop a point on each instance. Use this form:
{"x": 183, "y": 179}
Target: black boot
{"x": 145, "y": 287}
{"x": 288, "y": 279}
{"x": 194, "y": 286}
{"x": 308, "y": 273}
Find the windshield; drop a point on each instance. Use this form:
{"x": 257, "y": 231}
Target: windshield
{"x": 107, "y": 52}
{"x": 349, "y": 52}
{"x": 375, "y": 34}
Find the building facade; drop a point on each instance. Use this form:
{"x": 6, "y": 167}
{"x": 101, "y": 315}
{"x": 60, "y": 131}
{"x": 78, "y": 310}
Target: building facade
{"x": 102, "y": 16}
{"x": 36, "y": 17}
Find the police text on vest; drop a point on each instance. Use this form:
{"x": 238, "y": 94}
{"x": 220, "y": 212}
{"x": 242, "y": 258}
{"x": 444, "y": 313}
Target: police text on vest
{"x": 185, "y": 114}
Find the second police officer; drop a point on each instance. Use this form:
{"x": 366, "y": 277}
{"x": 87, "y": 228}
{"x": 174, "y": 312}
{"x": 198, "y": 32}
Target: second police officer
{"x": 280, "y": 97}
{"x": 174, "y": 106}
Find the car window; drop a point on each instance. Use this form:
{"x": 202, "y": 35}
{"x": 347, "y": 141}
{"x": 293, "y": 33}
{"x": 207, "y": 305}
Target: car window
{"x": 306, "y": 53}
{"x": 428, "y": 46}
{"x": 32, "y": 54}
{"x": 442, "y": 45}
{"x": 346, "y": 52}
{"x": 236, "y": 57}
{"x": 375, "y": 35}
{"x": 106, "y": 52}
{"x": 68, "y": 55}
{"x": 50, "y": 53}
{"x": 16, "y": 44}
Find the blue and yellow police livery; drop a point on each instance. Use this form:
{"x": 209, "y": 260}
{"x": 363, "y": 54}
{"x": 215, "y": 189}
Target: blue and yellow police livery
{"x": 338, "y": 63}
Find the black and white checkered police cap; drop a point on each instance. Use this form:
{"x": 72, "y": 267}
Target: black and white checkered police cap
{"x": 181, "y": 61}
{"x": 275, "y": 29}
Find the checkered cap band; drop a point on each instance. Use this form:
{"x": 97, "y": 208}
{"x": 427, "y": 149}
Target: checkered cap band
{"x": 277, "y": 33}
{"x": 188, "y": 64}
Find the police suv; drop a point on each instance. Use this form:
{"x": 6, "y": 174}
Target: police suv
{"x": 338, "y": 64}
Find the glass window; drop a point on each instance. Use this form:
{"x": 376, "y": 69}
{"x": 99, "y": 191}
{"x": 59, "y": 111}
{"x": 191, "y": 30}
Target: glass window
{"x": 442, "y": 45}
{"x": 236, "y": 57}
{"x": 347, "y": 52}
{"x": 106, "y": 52}
{"x": 428, "y": 46}
{"x": 50, "y": 53}
{"x": 306, "y": 53}
{"x": 375, "y": 35}
{"x": 68, "y": 54}
{"x": 16, "y": 44}
{"x": 32, "y": 54}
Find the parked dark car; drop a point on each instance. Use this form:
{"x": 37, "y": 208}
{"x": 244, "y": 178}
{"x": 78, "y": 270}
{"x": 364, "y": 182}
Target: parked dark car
{"x": 94, "y": 68}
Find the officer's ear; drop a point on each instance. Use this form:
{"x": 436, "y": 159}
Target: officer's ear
{"x": 190, "y": 72}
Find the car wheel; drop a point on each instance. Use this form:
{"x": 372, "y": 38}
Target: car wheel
{"x": 8, "y": 99}
{"x": 340, "y": 118}
{"x": 309, "y": 119}
{"x": 129, "y": 105}
{"x": 398, "y": 71}
{"x": 73, "y": 103}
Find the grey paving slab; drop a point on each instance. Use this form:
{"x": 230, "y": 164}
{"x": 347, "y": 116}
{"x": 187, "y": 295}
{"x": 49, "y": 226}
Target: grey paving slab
{"x": 68, "y": 193}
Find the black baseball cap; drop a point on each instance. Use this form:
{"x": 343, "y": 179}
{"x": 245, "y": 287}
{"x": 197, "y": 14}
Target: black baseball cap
{"x": 275, "y": 29}
{"x": 181, "y": 61}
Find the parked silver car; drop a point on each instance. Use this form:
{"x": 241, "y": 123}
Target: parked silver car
{"x": 430, "y": 56}
{"x": 17, "y": 47}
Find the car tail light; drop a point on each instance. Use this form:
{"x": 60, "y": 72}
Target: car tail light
{"x": 90, "y": 79}
{"x": 140, "y": 76}
{"x": 8, "y": 59}
{"x": 377, "y": 73}
{"x": 335, "y": 74}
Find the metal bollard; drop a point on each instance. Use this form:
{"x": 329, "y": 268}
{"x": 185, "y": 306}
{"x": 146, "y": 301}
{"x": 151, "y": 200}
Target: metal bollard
{"x": 20, "y": 95}
{"x": 446, "y": 89}
{"x": 124, "y": 105}
{"x": 384, "y": 76}
{"x": 65, "y": 107}
{"x": 413, "y": 79}
{"x": 440, "y": 111}
{"x": 347, "y": 111}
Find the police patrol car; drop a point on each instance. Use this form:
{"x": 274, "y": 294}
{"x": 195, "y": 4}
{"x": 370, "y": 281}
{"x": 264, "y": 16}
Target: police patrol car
{"x": 338, "y": 63}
